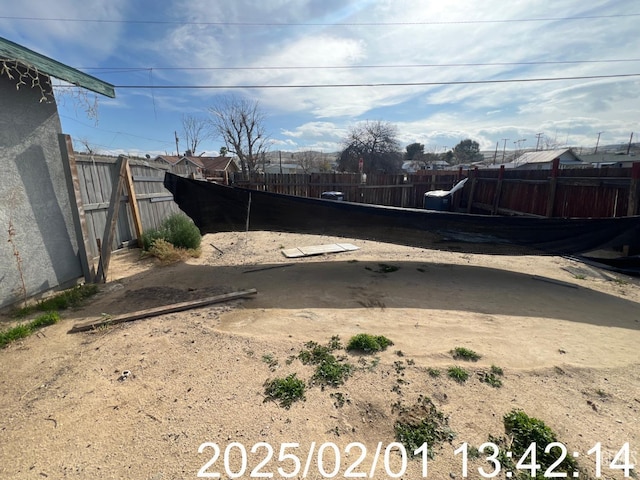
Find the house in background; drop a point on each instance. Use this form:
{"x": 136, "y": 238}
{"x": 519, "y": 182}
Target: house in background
{"x": 283, "y": 168}
{"x": 185, "y": 166}
{"x": 210, "y": 168}
{"x": 543, "y": 160}
{"x": 44, "y": 248}
{"x": 218, "y": 169}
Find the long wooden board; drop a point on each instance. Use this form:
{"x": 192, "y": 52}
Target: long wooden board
{"x": 298, "y": 252}
{"x": 152, "y": 312}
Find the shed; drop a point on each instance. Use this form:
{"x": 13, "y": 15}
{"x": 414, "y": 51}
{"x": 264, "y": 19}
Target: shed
{"x": 44, "y": 248}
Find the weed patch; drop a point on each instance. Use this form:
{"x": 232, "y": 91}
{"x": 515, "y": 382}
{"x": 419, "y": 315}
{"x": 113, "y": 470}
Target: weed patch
{"x": 459, "y": 374}
{"x": 26, "y": 329}
{"x": 422, "y": 423}
{"x": 364, "y": 342}
{"x": 523, "y": 431}
{"x": 71, "y": 298}
{"x": 433, "y": 372}
{"x": 284, "y": 390}
{"x": 270, "y": 360}
{"x": 332, "y": 372}
{"x": 329, "y": 369}
{"x": 462, "y": 353}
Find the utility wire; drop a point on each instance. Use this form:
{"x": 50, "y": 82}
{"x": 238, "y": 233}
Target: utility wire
{"x": 355, "y": 67}
{"x": 382, "y": 84}
{"x": 319, "y": 24}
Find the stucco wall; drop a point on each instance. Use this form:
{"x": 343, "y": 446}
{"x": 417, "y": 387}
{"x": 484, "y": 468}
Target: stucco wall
{"x": 34, "y": 199}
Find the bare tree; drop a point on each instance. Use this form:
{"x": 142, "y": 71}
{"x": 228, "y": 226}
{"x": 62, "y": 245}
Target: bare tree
{"x": 87, "y": 146}
{"x": 240, "y": 123}
{"x": 196, "y": 129}
{"x": 374, "y": 143}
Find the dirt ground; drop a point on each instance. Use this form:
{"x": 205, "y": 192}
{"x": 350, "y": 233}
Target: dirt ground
{"x": 566, "y": 335}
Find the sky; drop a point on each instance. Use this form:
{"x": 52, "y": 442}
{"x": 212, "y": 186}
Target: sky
{"x": 419, "y": 65}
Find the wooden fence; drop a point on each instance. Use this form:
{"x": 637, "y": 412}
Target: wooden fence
{"x": 378, "y": 189}
{"x": 95, "y": 182}
{"x": 593, "y": 192}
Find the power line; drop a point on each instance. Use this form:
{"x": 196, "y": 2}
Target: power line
{"x": 355, "y": 67}
{"x": 320, "y": 24}
{"x": 382, "y": 84}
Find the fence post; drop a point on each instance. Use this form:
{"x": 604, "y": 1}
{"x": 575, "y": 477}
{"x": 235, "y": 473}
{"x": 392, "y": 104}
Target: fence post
{"x": 474, "y": 180}
{"x": 632, "y": 206}
{"x": 553, "y": 183}
{"x": 77, "y": 210}
{"x": 496, "y": 197}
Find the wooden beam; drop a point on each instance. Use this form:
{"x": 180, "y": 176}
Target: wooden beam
{"x": 77, "y": 209}
{"x": 153, "y": 312}
{"x": 112, "y": 217}
{"x": 51, "y": 67}
{"x": 133, "y": 201}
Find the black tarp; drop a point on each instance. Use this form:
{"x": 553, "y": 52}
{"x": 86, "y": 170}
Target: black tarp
{"x": 218, "y": 208}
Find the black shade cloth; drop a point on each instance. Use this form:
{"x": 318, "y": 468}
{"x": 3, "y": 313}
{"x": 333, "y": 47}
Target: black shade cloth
{"x": 218, "y": 208}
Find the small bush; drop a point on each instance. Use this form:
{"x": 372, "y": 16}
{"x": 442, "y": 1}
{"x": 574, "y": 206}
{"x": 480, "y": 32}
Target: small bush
{"x": 167, "y": 253}
{"x": 459, "y": 374}
{"x": 525, "y": 430}
{"x": 367, "y": 343}
{"x": 461, "y": 353}
{"x": 178, "y": 230}
{"x": 284, "y": 390}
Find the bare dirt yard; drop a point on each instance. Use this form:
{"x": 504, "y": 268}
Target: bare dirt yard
{"x": 566, "y": 337}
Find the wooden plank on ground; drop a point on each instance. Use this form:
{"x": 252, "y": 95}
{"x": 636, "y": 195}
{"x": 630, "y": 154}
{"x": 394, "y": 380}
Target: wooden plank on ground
{"x": 153, "y": 312}
{"x": 308, "y": 251}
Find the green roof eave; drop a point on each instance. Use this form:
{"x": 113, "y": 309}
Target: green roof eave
{"x": 48, "y": 66}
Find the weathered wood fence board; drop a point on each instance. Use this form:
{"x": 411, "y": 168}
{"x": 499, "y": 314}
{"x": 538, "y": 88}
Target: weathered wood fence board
{"x": 96, "y": 176}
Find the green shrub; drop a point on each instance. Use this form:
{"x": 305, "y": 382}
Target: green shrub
{"x": 178, "y": 230}
{"x": 367, "y": 343}
{"x": 285, "y": 390}
{"x": 525, "y": 430}
{"x": 181, "y": 232}
{"x": 149, "y": 237}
